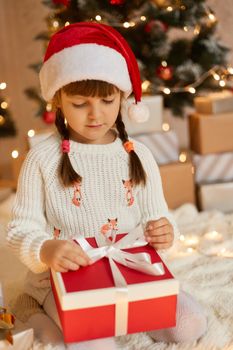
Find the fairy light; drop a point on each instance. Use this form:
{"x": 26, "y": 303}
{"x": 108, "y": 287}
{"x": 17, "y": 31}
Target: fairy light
{"x": 230, "y": 70}
{"x": 193, "y": 170}
{"x": 213, "y": 236}
{"x": 98, "y": 18}
{"x": 48, "y": 107}
{"x": 4, "y": 105}
{"x": 55, "y": 24}
{"x": 222, "y": 83}
{"x": 182, "y": 157}
{"x": 166, "y": 127}
{"x": 216, "y": 76}
{"x": 164, "y": 63}
{"x": 169, "y": 8}
{"x": 126, "y": 25}
{"x": 31, "y": 133}
{"x": 2, "y": 120}
{"x": 2, "y": 86}
{"x": 14, "y": 154}
{"x": 67, "y": 24}
{"x": 191, "y": 241}
{"x": 167, "y": 91}
{"x": 143, "y": 18}
{"x": 185, "y": 28}
{"x": 145, "y": 85}
{"x": 192, "y": 90}
{"x": 212, "y": 17}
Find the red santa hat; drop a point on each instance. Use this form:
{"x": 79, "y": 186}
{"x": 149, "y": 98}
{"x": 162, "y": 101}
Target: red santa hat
{"x": 89, "y": 50}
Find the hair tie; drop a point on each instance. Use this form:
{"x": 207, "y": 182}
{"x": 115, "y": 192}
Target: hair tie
{"x": 65, "y": 146}
{"x": 129, "y": 146}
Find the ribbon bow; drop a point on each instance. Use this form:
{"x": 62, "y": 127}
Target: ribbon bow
{"x": 138, "y": 261}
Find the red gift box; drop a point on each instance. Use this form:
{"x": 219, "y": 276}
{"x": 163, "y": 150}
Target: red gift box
{"x": 86, "y": 298}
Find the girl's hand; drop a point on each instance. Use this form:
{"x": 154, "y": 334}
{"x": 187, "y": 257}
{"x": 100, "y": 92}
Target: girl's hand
{"x": 161, "y": 233}
{"x": 63, "y": 255}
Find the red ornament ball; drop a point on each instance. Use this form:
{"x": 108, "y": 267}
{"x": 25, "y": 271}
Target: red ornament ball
{"x": 165, "y": 73}
{"x": 117, "y": 2}
{"x": 49, "y": 117}
{"x": 155, "y": 25}
{"x": 61, "y": 2}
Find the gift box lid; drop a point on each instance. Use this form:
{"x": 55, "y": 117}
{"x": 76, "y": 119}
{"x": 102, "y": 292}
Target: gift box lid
{"x": 75, "y": 288}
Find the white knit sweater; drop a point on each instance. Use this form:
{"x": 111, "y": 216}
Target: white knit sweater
{"x": 104, "y": 197}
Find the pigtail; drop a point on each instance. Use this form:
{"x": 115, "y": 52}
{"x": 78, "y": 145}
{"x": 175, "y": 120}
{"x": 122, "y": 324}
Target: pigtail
{"x": 136, "y": 171}
{"x": 68, "y": 175}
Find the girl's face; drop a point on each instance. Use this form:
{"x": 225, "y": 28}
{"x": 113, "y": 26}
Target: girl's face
{"x": 91, "y": 118}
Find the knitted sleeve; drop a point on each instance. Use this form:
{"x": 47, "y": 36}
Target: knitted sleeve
{"x": 151, "y": 197}
{"x": 26, "y": 230}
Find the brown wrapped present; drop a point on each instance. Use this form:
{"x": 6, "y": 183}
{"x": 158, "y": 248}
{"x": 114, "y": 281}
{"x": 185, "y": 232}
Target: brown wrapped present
{"x": 211, "y": 134}
{"x": 214, "y": 103}
{"x": 178, "y": 183}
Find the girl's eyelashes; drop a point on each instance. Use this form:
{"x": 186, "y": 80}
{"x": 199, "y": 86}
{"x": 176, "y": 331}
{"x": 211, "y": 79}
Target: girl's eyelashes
{"x": 78, "y": 106}
{"x": 83, "y": 104}
{"x": 108, "y": 101}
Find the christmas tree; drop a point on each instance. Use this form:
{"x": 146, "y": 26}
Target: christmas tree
{"x": 173, "y": 40}
{"x": 7, "y": 127}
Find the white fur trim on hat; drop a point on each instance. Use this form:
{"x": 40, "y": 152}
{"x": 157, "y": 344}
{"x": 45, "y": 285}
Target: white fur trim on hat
{"x": 81, "y": 62}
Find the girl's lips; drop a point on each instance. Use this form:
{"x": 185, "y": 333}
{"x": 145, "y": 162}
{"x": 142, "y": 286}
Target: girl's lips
{"x": 94, "y": 126}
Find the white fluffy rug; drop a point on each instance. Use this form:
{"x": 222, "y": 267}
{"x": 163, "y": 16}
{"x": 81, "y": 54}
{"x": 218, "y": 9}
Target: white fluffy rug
{"x": 207, "y": 277}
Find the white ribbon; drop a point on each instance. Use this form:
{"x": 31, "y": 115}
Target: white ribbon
{"x": 113, "y": 251}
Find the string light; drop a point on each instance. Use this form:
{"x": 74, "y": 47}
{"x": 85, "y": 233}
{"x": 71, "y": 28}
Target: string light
{"x": 15, "y": 154}
{"x": 4, "y": 105}
{"x": 126, "y": 25}
{"x": 55, "y": 24}
{"x": 98, "y": 18}
{"x": 145, "y": 85}
{"x": 182, "y": 157}
{"x": 167, "y": 91}
{"x": 49, "y": 107}
{"x": 67, "y": 24}
{"x": 166, "y": 127}
{"x": 31, "y": 133}
{"x": 2, "y": 86}
{"x": 225, "y": 73}
{"x": 143, "y": 18}
{"x": 192, "y": 90}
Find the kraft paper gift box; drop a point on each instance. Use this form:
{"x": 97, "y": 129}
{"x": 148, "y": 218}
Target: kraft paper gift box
{"x": 211, "y": 134}
{"x": 178, "y": 183}
{"x": 215, "y": 167}
{"x": 214, "y": 103}
{"x": 90, "y": 305}
{"x": 155, "y": 121}
{"x": 216, "y": 196}
{"x": 164, "y": 145}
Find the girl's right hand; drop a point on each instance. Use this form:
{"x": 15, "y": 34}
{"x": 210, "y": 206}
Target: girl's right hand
{"x": 63, "y": 255}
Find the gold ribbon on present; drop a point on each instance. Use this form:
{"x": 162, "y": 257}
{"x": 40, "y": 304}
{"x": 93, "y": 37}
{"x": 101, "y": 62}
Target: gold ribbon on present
{"x": 6, "y": 324}
{"x": 138, "y": 261}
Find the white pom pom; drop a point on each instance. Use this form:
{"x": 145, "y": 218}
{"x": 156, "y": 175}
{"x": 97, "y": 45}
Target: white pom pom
{"x": 139, "y": 112}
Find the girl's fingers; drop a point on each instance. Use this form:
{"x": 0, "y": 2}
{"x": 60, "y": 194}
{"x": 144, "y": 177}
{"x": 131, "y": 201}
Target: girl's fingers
{"x": 167, "y": 238}
{"x": 157, "y": 223}
{"x": 68, "y": 264}
{"x": 162, "y": 230}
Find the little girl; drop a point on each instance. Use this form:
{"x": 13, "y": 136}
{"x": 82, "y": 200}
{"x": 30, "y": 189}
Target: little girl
{"x": 88, "y": 178}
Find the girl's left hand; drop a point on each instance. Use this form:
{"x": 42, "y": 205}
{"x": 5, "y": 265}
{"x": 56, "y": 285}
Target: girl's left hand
{"x": 161, "y": 233}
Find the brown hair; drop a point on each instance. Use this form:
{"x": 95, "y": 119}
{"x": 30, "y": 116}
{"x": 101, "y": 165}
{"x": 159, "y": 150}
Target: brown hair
{"x": 101, "y": 89}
